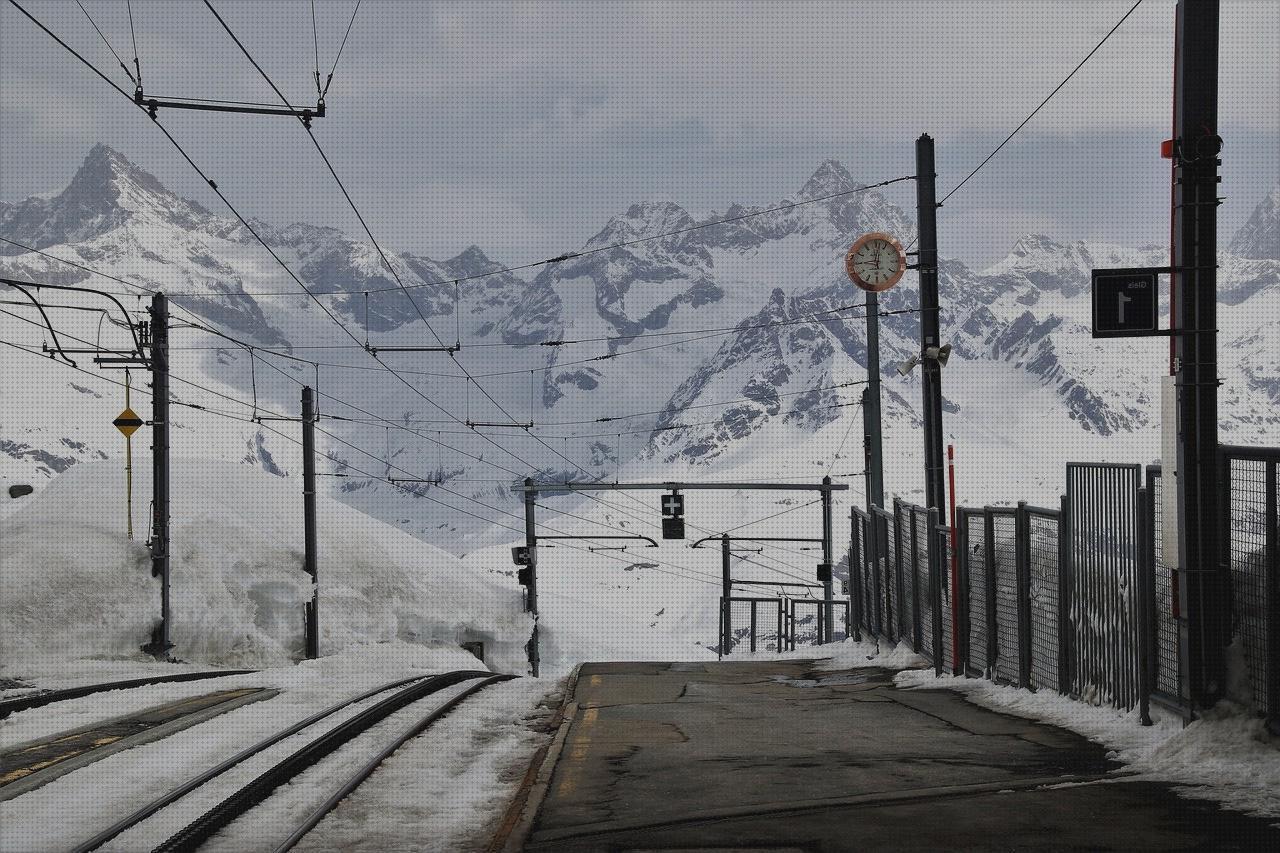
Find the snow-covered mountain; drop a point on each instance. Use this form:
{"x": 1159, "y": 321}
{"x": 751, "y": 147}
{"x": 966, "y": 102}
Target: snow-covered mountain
{"x": 724, "y": 351}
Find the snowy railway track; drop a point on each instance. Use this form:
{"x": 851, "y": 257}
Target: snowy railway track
{"x": 261, "y": 787}
{"x": 42, "y": 698}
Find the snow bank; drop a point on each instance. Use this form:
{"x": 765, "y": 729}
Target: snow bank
{"x": 74, "y": 586}
{"x": 1227, "y": 756}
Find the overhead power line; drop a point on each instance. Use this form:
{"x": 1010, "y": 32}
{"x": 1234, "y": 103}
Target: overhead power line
{"x": 213, "y": 185}
{"x": 679, "y": 571}
{"x": 1048, "y": 97}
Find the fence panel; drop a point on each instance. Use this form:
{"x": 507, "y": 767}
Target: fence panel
{"x": 1042, "y": 549}
{"x": 806, "y": 618}
{"x": 973, "y": 565}
{"x": 923, "y": 600}
{"x": 1103, "y": 504}
{"x": 1255, "y": 568}
{"x": 859, "y": 592}
{"x": 1167, "y": 675}
{"x": 755, "y": 624}
{"x": 942, "y": 565}
{"x": 893, "y": 578}
{"x": 1002, "y": 525}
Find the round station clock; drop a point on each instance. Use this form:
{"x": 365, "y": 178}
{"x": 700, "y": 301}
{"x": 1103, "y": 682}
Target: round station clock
{"x": 876, "y": 262}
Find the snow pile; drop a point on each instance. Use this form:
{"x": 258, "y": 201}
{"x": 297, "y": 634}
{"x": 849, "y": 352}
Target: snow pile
{"x": 74, "y": 586}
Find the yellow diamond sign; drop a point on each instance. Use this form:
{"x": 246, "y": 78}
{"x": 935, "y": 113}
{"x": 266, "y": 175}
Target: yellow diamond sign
{"x": 128, "y": 422}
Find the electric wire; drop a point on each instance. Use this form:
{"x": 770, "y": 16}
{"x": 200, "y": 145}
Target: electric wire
{"x": 213, "y": 185}
{"x": 390, "y": 267}
{"x": 94, "y": 24}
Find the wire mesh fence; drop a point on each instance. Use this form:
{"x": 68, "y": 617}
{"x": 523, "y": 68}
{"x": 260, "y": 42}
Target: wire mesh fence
{"x": 756, "y": 624}
{"x": 1002, "y": 557}
{"x": 973, "y": 567}
{"x": 925, "y": 601}
{"x": 1255, "y": 569}
{"x": 947, "y": 637}
{"x": 1079, "y": 599}
{"x": 1167, "y": 680}
{"x": 1043, "y": 594}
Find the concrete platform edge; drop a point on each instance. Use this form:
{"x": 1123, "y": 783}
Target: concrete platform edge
{"x": 521, "y": 814}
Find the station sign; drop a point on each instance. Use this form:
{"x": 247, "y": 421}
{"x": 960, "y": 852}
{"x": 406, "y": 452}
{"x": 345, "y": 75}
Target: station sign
{"x": 1126, "y": 302}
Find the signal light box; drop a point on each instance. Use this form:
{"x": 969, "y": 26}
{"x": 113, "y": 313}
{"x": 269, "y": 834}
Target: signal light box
{"x": 1126, "y": 302}
{"x": 673, "y": 527}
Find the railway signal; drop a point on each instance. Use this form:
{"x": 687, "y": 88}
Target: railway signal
{"x": 127, "y": 422}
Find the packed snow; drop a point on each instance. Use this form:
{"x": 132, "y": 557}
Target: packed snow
{"x": 75, "y": 587}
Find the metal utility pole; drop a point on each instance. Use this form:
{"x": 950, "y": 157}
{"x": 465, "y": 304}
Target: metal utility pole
{"x": 1204, "y": 630}
{"x": 309, "y": 520}
{"x": 726, "y": 591}
{"x": 930, "y": 334}
{"x": 826, "y": 579}
{"x": 873, "y": 438}
{"x": 531, "y": 595}
{"x": 159, "y": 542}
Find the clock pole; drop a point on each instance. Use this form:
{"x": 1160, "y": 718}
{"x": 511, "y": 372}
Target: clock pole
{"x": 873, "y": 433}
{"x": 930, "y": 333}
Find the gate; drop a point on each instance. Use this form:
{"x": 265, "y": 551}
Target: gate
{"x": 1103, "y": 526}
{"x": 756, "y": 621}
{"x": 1166, "y": 678}
{"x": 805, "y": 628}
{"x": 1253, "y": 537}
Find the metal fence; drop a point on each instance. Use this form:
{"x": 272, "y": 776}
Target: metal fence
{"x": 804, "y": 621}
{"x": 1076, "y": 598}
{"x": 757, "y": 623}
{"x": 1253, "y": 552}
{"x": 1168, "y": 686}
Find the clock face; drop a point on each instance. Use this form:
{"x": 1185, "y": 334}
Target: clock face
{"x": 876, "y": 262}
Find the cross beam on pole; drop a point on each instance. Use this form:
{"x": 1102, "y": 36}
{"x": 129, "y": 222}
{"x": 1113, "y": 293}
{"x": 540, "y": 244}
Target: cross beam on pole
{"x": 764, "y": 487}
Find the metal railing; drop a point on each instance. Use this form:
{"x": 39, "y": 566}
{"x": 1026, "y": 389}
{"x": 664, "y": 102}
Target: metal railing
{"x": 1253, "y": 554}
{"x": 1077, "y": 598}
{"x": 757, "y": 621}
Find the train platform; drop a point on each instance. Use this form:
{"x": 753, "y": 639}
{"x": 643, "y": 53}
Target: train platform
{"x": 784, "y": 756}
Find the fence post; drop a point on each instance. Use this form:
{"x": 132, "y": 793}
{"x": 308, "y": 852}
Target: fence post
{"x": 993, "y": 627}
{"x": 753, "y": 626}
{"x": 1022, "y": 565}
{"x": 1146, "y": 590}
{"x": 720, "y": 632}
{"x": 936, "y": 567}
{"x": 777, "y": 641}
{"x": 960, "y": 547}
{"x": 1271, "y": 587}
{"x": 855, "y": 576}
{"x": 1065, "y": 593}
{"x": 875, "y": 619}
{"x": 917, "y": 630}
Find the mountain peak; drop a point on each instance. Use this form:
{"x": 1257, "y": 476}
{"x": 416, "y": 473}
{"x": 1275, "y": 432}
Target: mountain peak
{"x": 831, "y": 177}
{"x": 105, "y": 193}
{"x": 1259, "y": 237}
{"x": 646, "y": 219}
{"x": 105, "y": 172}
{"x": 1035, "y": 244}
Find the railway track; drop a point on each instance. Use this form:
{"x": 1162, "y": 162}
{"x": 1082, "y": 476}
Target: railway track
{"x": 42, "y": 698}
{"x": 402, "y": 694}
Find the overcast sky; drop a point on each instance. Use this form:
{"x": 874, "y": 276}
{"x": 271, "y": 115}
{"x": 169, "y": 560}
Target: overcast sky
{"x": 522, "y": 128}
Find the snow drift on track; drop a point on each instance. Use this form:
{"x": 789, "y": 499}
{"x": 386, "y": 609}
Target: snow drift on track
{"x": 75, "y": 587}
